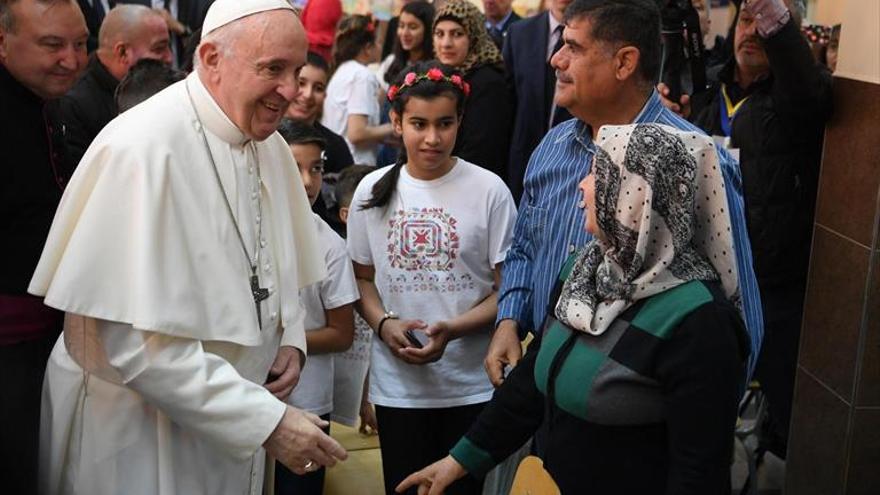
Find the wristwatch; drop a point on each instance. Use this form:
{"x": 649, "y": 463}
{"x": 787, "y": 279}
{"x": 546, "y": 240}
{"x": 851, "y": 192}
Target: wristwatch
{"x": 389, "y": 315}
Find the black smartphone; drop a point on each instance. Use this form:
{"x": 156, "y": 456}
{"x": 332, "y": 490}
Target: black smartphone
{"x": 411, "y": 337}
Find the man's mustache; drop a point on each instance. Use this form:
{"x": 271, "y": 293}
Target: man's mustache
{"x": 754, "y": 40}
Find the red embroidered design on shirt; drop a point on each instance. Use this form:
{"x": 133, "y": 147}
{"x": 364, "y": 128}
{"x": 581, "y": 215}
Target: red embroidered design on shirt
{"x": 422, "y": 239}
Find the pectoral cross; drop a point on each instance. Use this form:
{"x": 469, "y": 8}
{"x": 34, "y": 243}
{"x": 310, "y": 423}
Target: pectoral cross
{"x": 260, "y": 295}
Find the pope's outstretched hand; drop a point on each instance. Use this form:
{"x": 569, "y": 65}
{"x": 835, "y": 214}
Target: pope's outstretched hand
{"x": 299, "y": 443}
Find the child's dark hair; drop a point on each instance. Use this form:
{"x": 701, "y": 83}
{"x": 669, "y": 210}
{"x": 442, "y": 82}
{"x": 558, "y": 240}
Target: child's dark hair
{"x": 301, "y": 133}
{"x": 145, "y": 78}
{"x": 318, "y": 61}
{"x": 399, "y": 94}
{"x": 348, "y": 181}
{"x": 424, "y": 12}
{"x": 353, "y": 33}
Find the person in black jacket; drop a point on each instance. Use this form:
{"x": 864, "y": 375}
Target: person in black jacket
{"x": 128, "y": 34}
{"x": 461, "y": 42}
{"x": 771, "y": 104}
{"x": 33, "y": 172}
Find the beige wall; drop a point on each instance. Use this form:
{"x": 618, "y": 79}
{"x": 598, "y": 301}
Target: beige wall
{"x": 859, "y": 56}
{"x": 827, "y": 12}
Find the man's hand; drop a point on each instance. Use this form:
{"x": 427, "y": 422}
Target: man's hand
{"x": 394, "y": 335}
{"x": 504, "y": 350}
{"x": 298, "y": 440}
{"x": 683, "y": 107}
{"x": 284, "y": 374}
{"x": 438, "y": 336}
{"x": 434, "y": 479}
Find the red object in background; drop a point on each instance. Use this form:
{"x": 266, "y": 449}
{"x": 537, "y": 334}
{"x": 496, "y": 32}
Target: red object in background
{"x": 320, "y": 18}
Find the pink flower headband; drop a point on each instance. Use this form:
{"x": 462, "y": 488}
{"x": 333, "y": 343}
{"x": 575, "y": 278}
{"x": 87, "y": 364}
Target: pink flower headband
{"x": 433, "y": 74}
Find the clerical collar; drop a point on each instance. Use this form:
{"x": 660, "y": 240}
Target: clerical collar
{"x": 211, "y": 115}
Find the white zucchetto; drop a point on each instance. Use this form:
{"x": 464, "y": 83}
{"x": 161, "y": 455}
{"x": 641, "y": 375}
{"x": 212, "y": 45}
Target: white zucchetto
{"x": 222, "y": 12}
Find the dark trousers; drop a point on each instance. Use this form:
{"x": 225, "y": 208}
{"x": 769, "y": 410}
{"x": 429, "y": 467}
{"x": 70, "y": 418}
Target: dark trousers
{"x": 411, "y": 439}
{"x": 777, "y": 362}
{"x": 22, "y": 366}
{"x": 289, "y": 483}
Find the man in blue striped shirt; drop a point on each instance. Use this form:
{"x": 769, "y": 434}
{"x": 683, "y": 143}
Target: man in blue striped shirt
{"x": 605, "y": 75}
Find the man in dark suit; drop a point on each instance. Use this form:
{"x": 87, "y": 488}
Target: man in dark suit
{"x": 499, "y": 17}
{"x": 528, "y": 46}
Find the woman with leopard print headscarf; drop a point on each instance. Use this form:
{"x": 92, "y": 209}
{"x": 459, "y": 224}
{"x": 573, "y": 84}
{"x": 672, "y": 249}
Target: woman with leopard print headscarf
{"x": 461, "y": 41}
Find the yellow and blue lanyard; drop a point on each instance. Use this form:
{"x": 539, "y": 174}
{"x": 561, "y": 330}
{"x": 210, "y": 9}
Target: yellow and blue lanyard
{"x": 728, "y": 110}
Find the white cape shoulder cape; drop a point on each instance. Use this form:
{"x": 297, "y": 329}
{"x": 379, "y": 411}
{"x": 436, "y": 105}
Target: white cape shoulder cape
{"x": 142, "y": 234}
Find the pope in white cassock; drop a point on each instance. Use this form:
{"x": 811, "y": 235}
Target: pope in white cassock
{"x": 177, "y": 252}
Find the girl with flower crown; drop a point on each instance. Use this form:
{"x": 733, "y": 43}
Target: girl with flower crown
{"x": 427, "y": 236}
{"x": 351, "y": 108}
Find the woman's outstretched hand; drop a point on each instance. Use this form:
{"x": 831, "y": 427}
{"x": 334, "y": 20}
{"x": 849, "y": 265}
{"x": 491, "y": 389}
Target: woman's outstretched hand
{"x": 434, "y": 479}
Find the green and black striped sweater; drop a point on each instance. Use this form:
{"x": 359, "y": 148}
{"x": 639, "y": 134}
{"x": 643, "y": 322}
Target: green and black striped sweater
{"x": 648, "y": 407}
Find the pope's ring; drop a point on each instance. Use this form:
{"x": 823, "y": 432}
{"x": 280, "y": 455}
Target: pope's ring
{"x": 309, "y": 465}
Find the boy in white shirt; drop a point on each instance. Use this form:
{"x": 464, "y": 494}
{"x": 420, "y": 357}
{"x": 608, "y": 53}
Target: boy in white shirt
{"x": 329, "y": 319}
{"x": 351, "y": 381}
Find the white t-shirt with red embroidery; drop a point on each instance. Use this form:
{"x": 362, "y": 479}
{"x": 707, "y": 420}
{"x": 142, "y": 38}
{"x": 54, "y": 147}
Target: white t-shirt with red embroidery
{"x": 434, "y": 248}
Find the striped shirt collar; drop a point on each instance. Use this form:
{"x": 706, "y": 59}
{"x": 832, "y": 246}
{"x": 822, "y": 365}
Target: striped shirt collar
{"x": 581, "y": 132}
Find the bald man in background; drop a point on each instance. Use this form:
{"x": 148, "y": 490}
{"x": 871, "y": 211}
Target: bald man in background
{"x": 129, "y": 33}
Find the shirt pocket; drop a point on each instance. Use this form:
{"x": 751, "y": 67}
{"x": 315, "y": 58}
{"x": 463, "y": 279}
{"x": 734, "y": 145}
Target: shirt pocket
{"x": 536, "y": 221}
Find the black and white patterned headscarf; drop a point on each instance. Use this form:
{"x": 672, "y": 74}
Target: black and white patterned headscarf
{"x": 662, "y": 209}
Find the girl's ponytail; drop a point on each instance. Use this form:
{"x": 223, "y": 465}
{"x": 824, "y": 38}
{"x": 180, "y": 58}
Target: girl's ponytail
{"x": 384, "y": 188}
